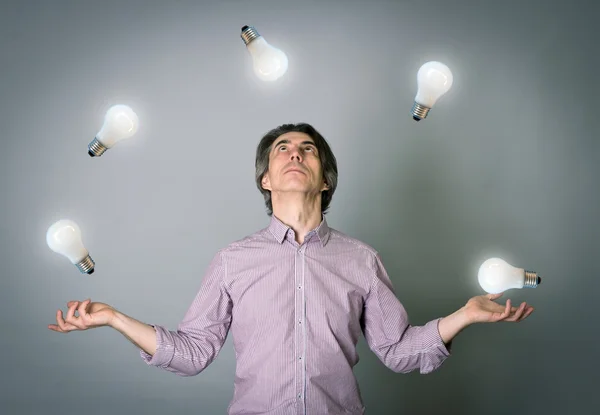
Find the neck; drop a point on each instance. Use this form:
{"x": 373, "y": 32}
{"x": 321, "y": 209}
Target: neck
{"x": 299, "y": 211}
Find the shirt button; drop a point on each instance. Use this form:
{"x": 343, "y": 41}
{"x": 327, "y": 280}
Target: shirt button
{"x": 299, "y": 321}
{"x": 299, "y": 287}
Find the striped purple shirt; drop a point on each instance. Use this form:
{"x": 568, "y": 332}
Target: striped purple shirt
{"x": 295, "y": 313}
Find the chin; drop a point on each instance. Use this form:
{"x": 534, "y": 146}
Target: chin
{"x": 295, "y": 187}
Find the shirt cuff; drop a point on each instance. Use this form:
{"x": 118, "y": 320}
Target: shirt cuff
{"x": 446, "y": 349}
{"x": 165, "y": 349}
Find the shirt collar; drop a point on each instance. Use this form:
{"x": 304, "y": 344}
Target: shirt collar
{"x": 279, "y": 230}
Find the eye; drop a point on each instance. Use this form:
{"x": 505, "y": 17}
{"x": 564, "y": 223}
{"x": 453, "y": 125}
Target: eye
{"x": 282, "y": 148}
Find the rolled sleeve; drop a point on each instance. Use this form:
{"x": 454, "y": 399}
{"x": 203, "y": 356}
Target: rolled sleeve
{"x": 399, "y": 345}
{"x": 165, "y": 349}
{"x": 202, "y": 332}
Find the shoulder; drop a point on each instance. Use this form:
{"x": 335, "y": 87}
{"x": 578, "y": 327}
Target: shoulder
{"x": 253, "y": 240}
{"x": 340, "y": 239}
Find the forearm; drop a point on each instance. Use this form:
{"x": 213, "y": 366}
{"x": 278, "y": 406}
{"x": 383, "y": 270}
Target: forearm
{"x": 140, "y": 334}
{"x": 453, "y": 324}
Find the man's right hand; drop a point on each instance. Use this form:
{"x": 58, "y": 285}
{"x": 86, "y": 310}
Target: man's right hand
{"x": 90, "y": 315}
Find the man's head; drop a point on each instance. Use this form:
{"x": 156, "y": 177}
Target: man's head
{"x": 295, "y": 157}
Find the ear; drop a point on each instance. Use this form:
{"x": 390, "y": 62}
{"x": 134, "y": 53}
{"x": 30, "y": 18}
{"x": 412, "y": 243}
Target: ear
{"x": 265, "y": 182}
{"x": 325, "y": 186}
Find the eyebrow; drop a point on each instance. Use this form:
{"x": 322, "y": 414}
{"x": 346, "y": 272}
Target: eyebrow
{"x": 285, "y": 141}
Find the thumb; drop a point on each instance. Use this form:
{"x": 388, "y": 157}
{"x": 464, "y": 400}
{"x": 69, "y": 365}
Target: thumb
{"x": 493, "y": 297}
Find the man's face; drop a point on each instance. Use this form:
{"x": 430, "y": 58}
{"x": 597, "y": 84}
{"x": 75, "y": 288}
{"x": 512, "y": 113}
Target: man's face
{"x": 294, "y": 165}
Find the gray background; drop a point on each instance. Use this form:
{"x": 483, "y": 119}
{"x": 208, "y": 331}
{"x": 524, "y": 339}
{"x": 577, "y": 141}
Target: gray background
{"x": 505, "y": 165}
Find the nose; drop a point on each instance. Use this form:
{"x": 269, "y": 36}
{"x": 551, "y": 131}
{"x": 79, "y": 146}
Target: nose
{"x": 295, "y": 155}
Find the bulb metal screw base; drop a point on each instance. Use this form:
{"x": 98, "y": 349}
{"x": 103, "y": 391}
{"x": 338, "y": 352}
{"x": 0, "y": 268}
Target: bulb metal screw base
{"x": 86, "y": 265}
{"x": 96, "y": 148}
{"x": 532, "y": 280}
{"x": 249, "y": 34}
{"x": 419, "y": 111}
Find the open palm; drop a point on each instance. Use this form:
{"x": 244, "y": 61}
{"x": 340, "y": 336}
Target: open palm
{"x": 483, "y": 309}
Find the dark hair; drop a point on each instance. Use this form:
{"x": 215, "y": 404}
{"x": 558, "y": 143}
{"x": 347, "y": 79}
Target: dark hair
{"x": 328, "y": 161}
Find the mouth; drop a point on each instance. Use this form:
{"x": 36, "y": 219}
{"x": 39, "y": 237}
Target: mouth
{"x": 295, "y": 171}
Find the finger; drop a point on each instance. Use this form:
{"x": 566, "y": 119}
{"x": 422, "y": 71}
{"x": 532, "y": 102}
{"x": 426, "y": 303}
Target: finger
{"x": 500, "y": 312}
{"x": 56, "y": 328}
{"x": 508, "y": 307}
{"x": 59, "y": 319}
{"x": 82, "y": 309}
{"x": 514, "y": 309}
{"x": 493, "y": 297}
{"x": 502, "y": 309}
{"x": 70, "y": 322}
{"x": 506, "y": 311}
{"x": 53, "y": 327}
{"x": 517, "y": 314}
{"x": 527, "y": 313}
{"x": 64, "y": 326}
{"x": 71, "y": 312}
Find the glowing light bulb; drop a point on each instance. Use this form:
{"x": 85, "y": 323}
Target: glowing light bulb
{"x": 64, "y": 237}
{"x": 434, "y": 79}
{"x": 496, "y": 275}
{"x": 269, "y": 63}
{"x": 120, "y": 122}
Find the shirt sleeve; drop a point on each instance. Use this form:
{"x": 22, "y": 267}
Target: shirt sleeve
{"x": 201, "y": 333}
{"x": 399, "y": 345}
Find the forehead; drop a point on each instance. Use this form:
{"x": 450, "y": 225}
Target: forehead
{"x": 293, "y": 137}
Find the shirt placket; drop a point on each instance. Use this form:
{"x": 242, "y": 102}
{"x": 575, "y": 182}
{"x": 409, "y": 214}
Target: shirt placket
{"x": 300, "y": 331}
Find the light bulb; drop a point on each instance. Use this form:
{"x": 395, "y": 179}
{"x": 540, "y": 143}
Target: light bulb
{"x": 496, "y": 275}
{"x": 64, "y": 237}
{"x": 120, "y": 122}
{"x": 434, "y": 79}
{"x": 269, "y": 63}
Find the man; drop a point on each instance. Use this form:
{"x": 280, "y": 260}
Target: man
{"x": 296, "y": 296}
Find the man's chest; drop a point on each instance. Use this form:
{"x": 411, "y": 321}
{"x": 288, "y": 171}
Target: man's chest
{"x": 322, "y": 294}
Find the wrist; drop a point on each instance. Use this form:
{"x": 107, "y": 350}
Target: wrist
{"x": 453, "y": 324}
{"x": 463, "y": 318}
{"x": 114, "y": 319}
